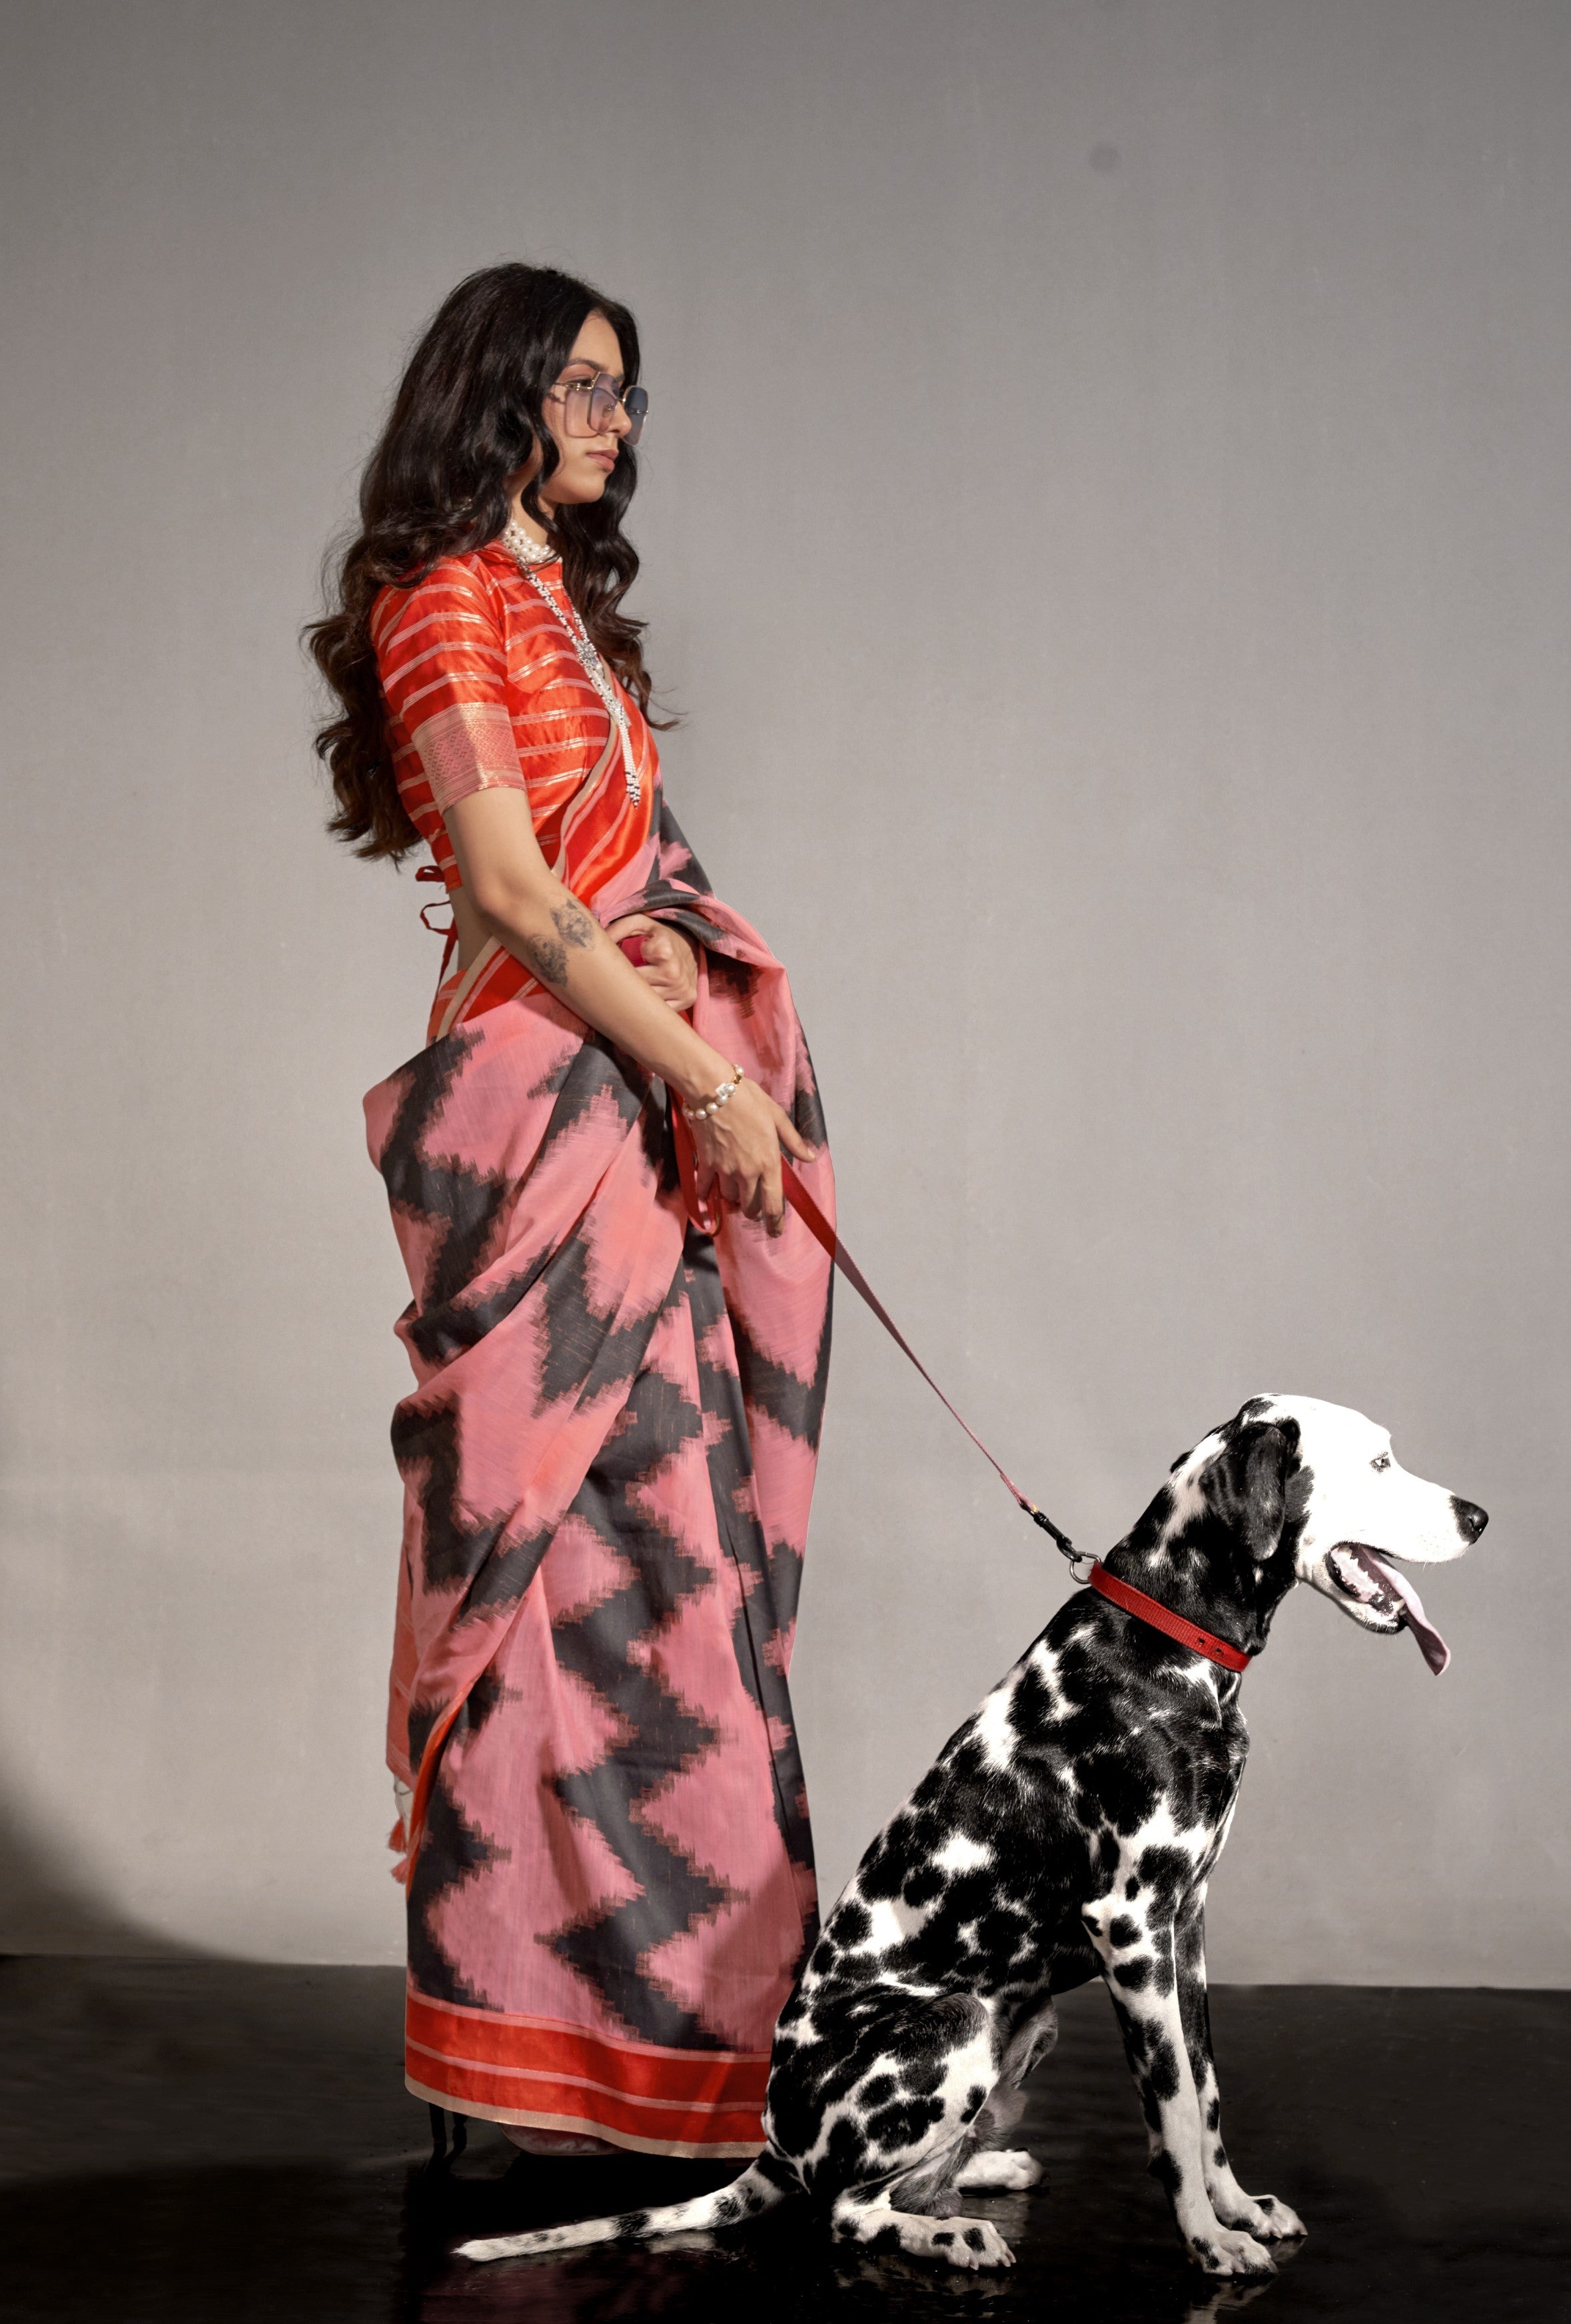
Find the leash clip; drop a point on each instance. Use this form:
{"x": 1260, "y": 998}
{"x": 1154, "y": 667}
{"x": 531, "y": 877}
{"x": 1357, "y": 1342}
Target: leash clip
{"x": 1063, "y": 1545}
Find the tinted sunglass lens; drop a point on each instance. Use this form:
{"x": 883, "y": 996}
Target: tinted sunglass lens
{"x": 598, "y": 403}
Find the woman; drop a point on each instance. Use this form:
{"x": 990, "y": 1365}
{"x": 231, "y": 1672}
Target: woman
{"x": 619, "y": 1333}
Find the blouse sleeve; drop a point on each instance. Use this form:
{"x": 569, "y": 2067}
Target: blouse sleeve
{"x": 443, "y": 665}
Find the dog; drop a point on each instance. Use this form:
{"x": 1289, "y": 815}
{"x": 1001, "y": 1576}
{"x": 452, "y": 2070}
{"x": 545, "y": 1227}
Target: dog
{"x": 1068, "y": 1831}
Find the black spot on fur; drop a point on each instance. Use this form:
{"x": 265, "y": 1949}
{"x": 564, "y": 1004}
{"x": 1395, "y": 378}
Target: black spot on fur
{"x": 976, "y": 2100}
{"x": 1166, "y": 1872}
{"x": 852, "y": 1923}
{"x": 845, "y": 2159}
{"x": 1162, "y": 2066}
{"x": 1168, "y": 2175}
{"x": 1123, "y": 1931}
{"x": 973, "y": 2239}
{"x": 878, "y": 2091}
{"x": 1135, "y": 1976}
{"x": 1131, "y": 1890}
{"x": 894, "y": 2127}
{"x": 1214, "y": 2115}
{"x": 942, "y": 2236}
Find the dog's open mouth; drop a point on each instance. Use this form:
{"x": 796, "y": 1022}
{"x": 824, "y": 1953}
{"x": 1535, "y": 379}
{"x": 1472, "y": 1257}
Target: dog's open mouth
{"x": 1388, "y": 1595}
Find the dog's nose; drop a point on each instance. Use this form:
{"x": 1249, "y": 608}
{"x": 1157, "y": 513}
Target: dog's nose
{"x": 1471, "y": 1519}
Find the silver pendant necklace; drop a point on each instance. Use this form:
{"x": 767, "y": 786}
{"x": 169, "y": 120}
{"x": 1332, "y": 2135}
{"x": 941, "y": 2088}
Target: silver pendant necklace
{"x": 528, "y": 555}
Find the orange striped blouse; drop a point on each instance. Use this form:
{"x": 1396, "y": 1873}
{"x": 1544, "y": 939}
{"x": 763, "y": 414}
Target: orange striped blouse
{"x": 484, "y": 690}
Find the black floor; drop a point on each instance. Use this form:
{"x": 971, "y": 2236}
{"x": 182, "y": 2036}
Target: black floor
{"x": 206, "y": 2143}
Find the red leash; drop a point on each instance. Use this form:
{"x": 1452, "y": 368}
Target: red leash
{"x": 818, "y": 1227}
{"x": 1107, "y": 1585}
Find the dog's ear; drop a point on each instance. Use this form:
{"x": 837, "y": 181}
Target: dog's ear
{"x": 1248, "y": 1482}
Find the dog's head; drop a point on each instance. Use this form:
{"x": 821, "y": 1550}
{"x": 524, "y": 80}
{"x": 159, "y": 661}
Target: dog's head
{"x": 1311, "y": 1492}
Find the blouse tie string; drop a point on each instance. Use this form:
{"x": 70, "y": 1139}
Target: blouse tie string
{"x": 450, "y": 933}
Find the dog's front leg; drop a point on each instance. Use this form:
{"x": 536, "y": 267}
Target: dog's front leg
{"x": 1262, "y": 2215}
{"x": 1133, "y": 1931}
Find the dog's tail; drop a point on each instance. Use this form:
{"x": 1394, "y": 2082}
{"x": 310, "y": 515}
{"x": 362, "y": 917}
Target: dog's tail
{"x": 768, "y": 2181}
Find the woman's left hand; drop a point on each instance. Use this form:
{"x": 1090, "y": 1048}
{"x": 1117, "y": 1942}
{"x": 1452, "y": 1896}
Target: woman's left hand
{"x": 670, "y": 960}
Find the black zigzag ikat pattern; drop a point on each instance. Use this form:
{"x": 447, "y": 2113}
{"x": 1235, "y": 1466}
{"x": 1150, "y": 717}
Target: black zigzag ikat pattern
{"x": 662, "y": 1737}
{"x": 675, "y": 858}
{"x": 449, "y": 1317}
{"x": 586, "y": 1352}
{"x": 770, "y": 1580}
{"x": 461, "y": 1205}
{"x": 451, "y": 1852}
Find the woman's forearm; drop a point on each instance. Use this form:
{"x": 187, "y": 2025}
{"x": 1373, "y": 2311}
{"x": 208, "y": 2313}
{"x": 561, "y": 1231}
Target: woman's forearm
{"x": 545, "y": 925}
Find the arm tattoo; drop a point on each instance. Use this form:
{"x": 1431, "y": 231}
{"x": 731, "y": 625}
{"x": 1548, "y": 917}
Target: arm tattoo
{"x": 575, "y": 928}
{"x": 573, "y": 925}
{"x": 547, "y": 959}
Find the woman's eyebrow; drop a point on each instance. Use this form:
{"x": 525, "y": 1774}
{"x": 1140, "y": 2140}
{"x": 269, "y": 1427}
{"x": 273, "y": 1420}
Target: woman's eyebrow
{"x": 584, "y": 363}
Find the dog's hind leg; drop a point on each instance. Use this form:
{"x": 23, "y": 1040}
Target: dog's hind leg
{"x": 866, "y": 2216}
{"x": 768, "y": 2181}
{"x": 905, "y": 2131}
{"x": 996, "y": 2167}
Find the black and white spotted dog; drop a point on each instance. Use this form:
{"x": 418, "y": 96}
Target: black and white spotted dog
{"x": 1067, "y": 1831}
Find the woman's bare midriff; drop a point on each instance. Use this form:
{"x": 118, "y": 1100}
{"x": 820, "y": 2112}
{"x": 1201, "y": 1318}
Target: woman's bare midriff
{"x": 473, "y": 933}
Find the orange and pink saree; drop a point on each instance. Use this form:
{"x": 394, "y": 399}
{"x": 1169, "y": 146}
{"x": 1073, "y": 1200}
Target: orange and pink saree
{"x": 608, "y": 1457}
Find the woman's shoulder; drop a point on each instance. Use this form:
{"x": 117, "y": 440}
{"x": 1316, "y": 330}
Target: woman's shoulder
{"x": 462, "y": 587}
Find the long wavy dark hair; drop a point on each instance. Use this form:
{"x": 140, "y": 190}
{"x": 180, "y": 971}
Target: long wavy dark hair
{"x": 468, "y": 413}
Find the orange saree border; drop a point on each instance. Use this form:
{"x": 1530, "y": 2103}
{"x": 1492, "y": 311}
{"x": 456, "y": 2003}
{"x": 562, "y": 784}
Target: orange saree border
{"x": 549, "y": 2076}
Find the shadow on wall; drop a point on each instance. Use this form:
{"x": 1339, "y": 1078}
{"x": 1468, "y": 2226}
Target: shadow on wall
{"x": 50, "y": 1908}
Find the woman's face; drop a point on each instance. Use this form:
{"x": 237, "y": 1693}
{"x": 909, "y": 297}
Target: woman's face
{"x": 584, "y": 462}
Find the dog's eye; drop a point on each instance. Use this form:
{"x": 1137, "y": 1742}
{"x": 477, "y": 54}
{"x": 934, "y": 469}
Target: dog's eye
{"x": 1381, "y": 1461}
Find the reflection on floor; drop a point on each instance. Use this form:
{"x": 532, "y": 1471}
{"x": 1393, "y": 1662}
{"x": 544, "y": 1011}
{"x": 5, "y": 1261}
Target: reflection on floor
{"x": 209, "y": 2143}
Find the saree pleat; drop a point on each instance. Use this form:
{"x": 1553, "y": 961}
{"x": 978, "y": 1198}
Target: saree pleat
{"x": 608, "y": 1458}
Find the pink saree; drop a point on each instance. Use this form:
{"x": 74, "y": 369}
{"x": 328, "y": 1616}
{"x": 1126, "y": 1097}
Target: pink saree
{"x": 608, "y": 1457}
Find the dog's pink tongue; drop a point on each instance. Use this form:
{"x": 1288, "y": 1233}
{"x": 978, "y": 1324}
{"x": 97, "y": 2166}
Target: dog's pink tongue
{"x": 1431, "y": 1645}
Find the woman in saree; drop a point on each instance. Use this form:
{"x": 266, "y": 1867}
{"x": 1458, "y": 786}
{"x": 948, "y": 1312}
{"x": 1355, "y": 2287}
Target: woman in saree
{"x": 618, "y": 1332}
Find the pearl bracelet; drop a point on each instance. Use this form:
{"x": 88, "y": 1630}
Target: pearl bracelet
{"x": 713, "y": 1105}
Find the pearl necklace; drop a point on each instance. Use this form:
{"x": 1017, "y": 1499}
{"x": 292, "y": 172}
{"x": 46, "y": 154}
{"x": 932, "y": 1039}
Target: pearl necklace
{"x": 528, "y": 555}
{"x": 527, "y": 551}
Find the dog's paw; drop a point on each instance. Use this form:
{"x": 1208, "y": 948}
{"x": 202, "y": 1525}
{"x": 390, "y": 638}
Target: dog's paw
{"x": 1230, "y": 2252}
{"x": 1272, "y": 2220}
{"x": 966, "y": 2243}
{"x": 999, "y": 2169}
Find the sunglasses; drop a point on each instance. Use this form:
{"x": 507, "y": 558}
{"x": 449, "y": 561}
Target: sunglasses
{"x": 590, "y": 405}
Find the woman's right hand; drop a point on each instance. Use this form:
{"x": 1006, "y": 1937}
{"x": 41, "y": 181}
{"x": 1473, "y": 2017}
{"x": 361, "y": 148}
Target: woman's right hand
{"x": 738, "y": 1151}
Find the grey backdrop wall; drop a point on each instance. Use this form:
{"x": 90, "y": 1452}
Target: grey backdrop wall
{"x": 1105, "y": 520}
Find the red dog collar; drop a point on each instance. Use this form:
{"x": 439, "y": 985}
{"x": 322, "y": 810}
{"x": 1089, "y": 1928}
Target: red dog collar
{"x": 1148, "y": 1610}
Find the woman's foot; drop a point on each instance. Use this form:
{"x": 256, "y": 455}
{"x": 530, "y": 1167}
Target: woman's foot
{"x": 555, "y": 2142}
